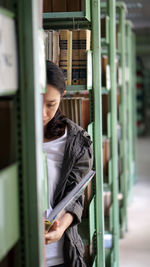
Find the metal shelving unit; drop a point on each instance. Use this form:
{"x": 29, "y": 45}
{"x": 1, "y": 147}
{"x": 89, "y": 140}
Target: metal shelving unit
{"x": 121, "y": 11}
{"x": 22, "y": 182}
{"x": 130, "y": 109}
{"x": 26, "y": 175}
{"x": 109, "y": 48}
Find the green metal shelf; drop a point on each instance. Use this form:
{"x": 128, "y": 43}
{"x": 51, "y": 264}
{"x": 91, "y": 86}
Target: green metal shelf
{"x": 56, "y": 16}
{"x": 105, "y": 91}
{"x": 76, "y": 88}
{"x": 8, "y": 94}
{"x": 104, "y": 42}
{"x": 9, "y": 206}
{"x": 107, "y": 187}
{"x": 66, "y": 20}
{"x": 104, "y": 50}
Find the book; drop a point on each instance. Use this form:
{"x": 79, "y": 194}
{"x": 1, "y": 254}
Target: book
{"x": 80, "y": 45}
{"x": 59, "y": 5}
{"x": 52, "y": 46}
{"x": 77, "y": 109}
{"x": 66, "y": 54}
{"x": 75, "y": 58}
{"x": 66, "y": 201}
{"x": 47, "y": 6}
{"x": 73, "y": 5}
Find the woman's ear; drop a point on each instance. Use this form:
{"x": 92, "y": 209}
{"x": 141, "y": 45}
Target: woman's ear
{"x": 64, "y": 93}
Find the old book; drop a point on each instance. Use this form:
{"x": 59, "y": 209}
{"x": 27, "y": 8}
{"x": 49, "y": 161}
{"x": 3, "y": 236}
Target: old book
{"x": 66, "y": 54}
{"x": 73, "y": 5}
{"x": 84, "y": 46}
{"x": 105, "y": 110}
{"x": 103, "y": 27}
{"x": 87, "y": 199}
{"x": 106, "y": 155}
{"x": 47, "y": 6}
{"x": 52, "y": 46}
{"x": 56, "y": 48}
{"x": 59, "y": 5}
{"x": 75, "y": 58}
{"x": 85, "y": 113}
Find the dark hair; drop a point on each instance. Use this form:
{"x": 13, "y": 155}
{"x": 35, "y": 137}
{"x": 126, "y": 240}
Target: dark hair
{"x": 55, "y": 77}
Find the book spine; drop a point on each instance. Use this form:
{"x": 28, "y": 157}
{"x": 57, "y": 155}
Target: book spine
{"x": 47, "y": 5}
{"x": 56, "y": 48}
{"x": 59, "y": 5}
{"x": 73, "y": 5}
{"x": 66, "y": 54}
{"x": 85, "y": 41}
{"x": 75, "y": 58}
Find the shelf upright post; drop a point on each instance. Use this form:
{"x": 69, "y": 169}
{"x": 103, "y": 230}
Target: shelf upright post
{"x": 123, "y": 118}
{"x": 134, "y": 105}
{"x": 130, "y": 121}
{"x": 31, "y": 137}
{"x": 113, "y": 103}
{"x": 96, "y": 44}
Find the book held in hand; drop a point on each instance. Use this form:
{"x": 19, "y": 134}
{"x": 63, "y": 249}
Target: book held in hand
{"x": 72, "y": 196}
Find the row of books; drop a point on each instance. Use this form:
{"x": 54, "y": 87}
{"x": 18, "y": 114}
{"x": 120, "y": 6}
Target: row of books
{"x": 68, "y": 49}
{"x": 62, "y": 5}
{"x": 77, "y": 109}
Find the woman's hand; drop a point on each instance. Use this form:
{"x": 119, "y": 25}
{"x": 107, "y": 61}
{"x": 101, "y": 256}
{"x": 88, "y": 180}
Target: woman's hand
{"x": 58, "y": 228}
{"x": 54, "y": 234}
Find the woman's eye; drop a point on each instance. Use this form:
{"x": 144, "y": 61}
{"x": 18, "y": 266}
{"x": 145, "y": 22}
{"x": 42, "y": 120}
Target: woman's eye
{"x": 50, "y": 105}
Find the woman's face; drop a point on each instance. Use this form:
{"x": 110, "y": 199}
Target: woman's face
{"x": 51, "y": 101}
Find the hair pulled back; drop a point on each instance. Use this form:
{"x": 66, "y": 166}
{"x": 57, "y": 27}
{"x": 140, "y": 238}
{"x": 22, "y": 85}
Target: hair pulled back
{"x": 55, "y": 77}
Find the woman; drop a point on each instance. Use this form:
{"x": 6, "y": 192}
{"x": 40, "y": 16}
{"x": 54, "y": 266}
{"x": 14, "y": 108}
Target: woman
{"x": 69, "y": 157}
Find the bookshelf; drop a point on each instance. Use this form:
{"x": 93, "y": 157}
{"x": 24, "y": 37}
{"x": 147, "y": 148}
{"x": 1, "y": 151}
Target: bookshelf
{"x": 130, "y": 108}
{"x": 24, "y": 172}
{"x": 121, "y": 10}
{"x": 111, "y": 218}
{"x": 22, "y": 176}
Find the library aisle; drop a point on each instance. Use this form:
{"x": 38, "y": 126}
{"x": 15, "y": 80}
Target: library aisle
{"x": 135, "y": 247}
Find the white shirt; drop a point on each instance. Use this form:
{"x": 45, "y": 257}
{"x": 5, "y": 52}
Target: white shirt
{"x": 55, "y": 153}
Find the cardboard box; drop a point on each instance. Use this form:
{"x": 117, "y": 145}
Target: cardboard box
{"x": 59, "y": 5}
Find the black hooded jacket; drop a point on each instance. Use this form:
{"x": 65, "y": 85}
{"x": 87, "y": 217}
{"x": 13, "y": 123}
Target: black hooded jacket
{"x": 77, "y": 161}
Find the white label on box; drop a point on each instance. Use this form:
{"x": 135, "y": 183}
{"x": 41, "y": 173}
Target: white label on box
{"x": 108, "y": 77}
{"x": 8, "y": 56}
